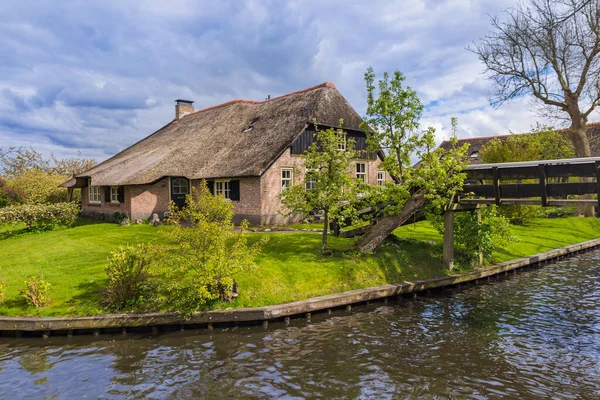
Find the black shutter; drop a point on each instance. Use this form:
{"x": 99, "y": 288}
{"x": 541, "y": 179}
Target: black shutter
{"x": 107, "y": 194}
{"x": 211, "y": 186}
{"x": 121, "y": 194}
{"x": 234, "y": 186}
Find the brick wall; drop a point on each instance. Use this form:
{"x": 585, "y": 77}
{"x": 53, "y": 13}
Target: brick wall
{"x": 148, "y": 199}
{"x": 103, "y": 208}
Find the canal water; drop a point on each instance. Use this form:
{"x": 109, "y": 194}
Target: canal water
{"x": 533, "y": 335}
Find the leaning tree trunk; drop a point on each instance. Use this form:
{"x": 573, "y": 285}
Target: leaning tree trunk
{"x": 325, "y": 228}
{"x": 377, "y": 233}
{"x": 581, "y": 143}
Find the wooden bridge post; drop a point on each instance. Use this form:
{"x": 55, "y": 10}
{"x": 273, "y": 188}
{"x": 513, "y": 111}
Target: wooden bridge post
{"x": 449, "y": 239}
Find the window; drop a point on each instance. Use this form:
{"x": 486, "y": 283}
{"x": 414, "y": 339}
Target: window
{"x": 180, "y": 186}
{"x": 342, "y": 141}
{"x": 361, "y": 171}
{"x": 251, "y": 125}
{"x": 380, "y": 178}
{"x": 114, "y": 194}
{"x": 474, "y": 154}
{"x": 286, "y": 178}
{"x": 223, "y": 188}
{"x": 93, "y": 193}
{"x": 309, "y": 179}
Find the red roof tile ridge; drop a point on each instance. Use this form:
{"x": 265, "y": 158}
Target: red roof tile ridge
{"x": 324, "y": 84}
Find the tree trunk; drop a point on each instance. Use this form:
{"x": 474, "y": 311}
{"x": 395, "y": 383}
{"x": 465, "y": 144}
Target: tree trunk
{"x": 578, "y": 134}
{"x": 377, "y": 233}
{"x": 325, "y": 227}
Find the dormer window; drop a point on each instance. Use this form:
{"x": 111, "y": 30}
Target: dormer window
{"x": 474, "y": 155}
{"x": 251, "y": 125}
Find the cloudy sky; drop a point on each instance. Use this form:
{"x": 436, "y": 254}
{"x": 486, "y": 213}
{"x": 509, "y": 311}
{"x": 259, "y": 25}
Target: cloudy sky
{"x": 96, "y": 77}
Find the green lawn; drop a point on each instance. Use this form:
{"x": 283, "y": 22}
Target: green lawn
{"x": 291, "y": 266}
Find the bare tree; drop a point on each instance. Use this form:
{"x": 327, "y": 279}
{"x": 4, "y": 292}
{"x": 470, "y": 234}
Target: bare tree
{"x": 548, "y": 49}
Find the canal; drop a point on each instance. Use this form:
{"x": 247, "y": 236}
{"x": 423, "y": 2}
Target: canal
{"x": 533, "y": 335}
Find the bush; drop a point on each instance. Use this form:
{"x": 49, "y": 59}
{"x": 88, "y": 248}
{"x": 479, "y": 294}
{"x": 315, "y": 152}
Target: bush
{"x": 36, "y": 292}
{"x": 39, "y": 187}
{"x": 128, "y": 271}
{"x": 207, "y": 254}
{"x": 473, "y": 237}
{"x": 521, "y": 214}
{"x": 9, "y": 196}
{"x": 119, "y": 217}
{"x": 562, "y": 212}
{"x": 40, "y": 216}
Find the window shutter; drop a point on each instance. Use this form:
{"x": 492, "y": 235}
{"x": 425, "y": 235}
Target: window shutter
{"x": 211, "y": 186}
{"x": 234, "y": 186}
{"x": 121, "y": 194}
{"x": 107, "y": 194}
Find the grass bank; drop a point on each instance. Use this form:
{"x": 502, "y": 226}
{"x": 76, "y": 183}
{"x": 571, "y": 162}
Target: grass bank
{"x": 291, "y": 266}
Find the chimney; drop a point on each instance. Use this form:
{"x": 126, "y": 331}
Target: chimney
{"x": 183, "y": 107}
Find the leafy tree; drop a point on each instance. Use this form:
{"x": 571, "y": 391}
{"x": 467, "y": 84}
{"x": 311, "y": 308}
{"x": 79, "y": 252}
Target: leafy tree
{"x": 392, "y": 125}
{"x": 333, "y": 189}
{"x": 542, "y": 143}
{"x": 208, "y": 252}
{"x": 9, "y": 196}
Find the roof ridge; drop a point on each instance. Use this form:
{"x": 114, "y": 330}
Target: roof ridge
{"x": 471, "y": 139}
{"x": 320, "y": 85}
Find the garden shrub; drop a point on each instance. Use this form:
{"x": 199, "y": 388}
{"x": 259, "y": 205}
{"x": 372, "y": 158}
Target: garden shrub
{"x": 119, "y": 217}
{"x": 9, "y": 196}
{"x": 521, "y": 214}
{"x": 36, "y": 292}
{"x": 40, "y": 187}
{"x": 129, "y": 280}
{"x": 206, "y": 255}
{"x": 40, "y": 216}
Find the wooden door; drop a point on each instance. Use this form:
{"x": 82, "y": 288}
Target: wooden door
{"x": 180, "y": 187}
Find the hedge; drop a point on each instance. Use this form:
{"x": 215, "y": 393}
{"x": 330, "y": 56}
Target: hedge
{"x": 40, "y": 215}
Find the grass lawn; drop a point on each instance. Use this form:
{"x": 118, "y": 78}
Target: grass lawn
{"x": 291, "y": 266}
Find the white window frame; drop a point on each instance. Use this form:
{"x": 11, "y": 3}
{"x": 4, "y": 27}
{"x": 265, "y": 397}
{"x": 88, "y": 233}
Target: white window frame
{"x": 307, "y": 181}
{"x": 114, "y": 195}
{"x": 223, "y": 188}
{"x": 380, "y": 178}
{"x": 94, "y": 196}
{"x": 176, "y": 184}
{"x": 361, "y": 174}
{"x": 342, "y": 144}
{"x": 286, "y": 181}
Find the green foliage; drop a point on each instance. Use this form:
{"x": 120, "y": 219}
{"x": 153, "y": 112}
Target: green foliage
{"x": 17, "y": 161}
{"x": 562, "y": 212}
{"x": 542, "y": 143}
{"x": 40, "y": 216}
{"x": 474, "y": 236}
{"x": 119, "y": 217}
{"x": 9, "y": 196}
{"x": 129, "y": 285}
{"x": 208, "y": 253}
{"x": 392, "y": 124}
{"x": 39, "y": 187}
{"x": 36, "y": 292}
{"x": 334, "y": 189}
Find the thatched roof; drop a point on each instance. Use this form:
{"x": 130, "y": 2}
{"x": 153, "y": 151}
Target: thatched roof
{"x": 476, "y": 143}
{"x": 211, "y": 143}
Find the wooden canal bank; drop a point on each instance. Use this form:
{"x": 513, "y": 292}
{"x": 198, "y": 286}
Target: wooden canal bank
{"x": 156, "y": 322}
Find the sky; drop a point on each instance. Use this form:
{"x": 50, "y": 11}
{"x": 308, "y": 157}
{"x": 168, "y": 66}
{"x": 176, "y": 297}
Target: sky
{"x": 93, "y": 77}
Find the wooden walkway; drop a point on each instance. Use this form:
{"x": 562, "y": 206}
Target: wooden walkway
{"x": 545, "y": 183}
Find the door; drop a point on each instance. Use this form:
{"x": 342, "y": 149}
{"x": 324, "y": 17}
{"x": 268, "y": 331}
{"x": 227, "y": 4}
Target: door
{"x": 180, "y": 187}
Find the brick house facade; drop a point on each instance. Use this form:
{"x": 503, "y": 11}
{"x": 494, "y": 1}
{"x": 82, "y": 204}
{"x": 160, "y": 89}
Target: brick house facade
{"x": 243, "y": 149}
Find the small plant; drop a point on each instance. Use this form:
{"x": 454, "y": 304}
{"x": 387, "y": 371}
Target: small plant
{"x": 36, "y": 292}
{"x": 119, "y": 217}
{"x": 128, "y": 273}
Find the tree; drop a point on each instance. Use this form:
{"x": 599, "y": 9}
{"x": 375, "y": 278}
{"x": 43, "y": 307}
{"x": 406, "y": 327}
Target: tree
{"x": 548, "y": 49}
{"x": 208, "y": 252}
{"x": 392, "y": 125}
{"x": 332, "y": 190}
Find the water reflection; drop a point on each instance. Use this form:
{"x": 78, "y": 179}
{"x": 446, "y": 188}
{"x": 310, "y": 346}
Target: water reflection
{"x": 534, "y": 335}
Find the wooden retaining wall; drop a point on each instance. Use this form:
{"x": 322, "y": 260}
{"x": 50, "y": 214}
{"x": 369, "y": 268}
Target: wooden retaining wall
{"x": 111, "y": 323}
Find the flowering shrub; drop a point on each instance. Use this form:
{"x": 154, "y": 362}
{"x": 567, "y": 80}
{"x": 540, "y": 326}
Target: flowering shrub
{"x": 40, "y": 216}
{"x": 36, "y": 292}
{"x": 9, "y": 196}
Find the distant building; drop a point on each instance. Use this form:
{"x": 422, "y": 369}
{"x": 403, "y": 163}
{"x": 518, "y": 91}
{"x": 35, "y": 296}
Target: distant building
{"x": 476, "y": 143}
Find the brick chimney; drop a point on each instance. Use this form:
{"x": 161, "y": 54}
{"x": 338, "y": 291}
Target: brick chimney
{"x": 183, "y": 107}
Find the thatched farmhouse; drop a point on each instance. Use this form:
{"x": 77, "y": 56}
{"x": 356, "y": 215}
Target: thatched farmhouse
{"x": 247, "y": 151}
{"x": 476, "y": 143}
